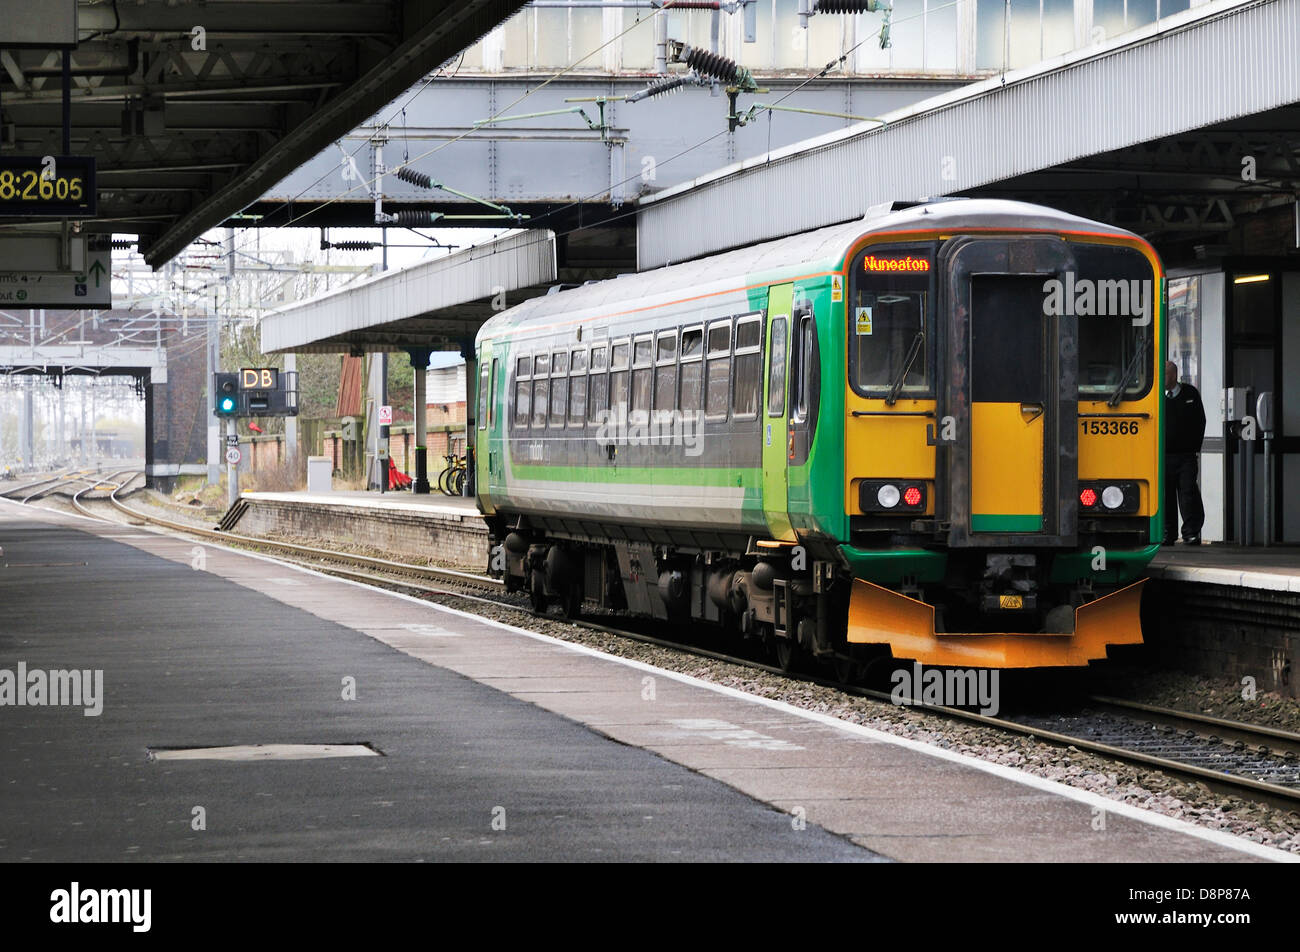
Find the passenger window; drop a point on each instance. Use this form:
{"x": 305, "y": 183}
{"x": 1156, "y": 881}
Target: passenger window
{"x": 618, "y": 383}
{"x": 541, "y": 388}
{"x": 523, "y": 390}
{"x": 577, "y": 387}
{"x": 483, "y": 396}
{"x": 642, "y": 373}
{"x": 666, "y": 371}
{"x": 598, "y": 398}
{"x": 800, "y": 385}
{"x": 559, "y": 387}
{"x": 749, "y": 367}
{"x": 692, "y": 370}
{"x": 776, "y": 375}
{"x": 718, "y": 370}
{"x": 492, "y": 396}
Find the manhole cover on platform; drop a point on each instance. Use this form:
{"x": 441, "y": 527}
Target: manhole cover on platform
{"x": 264, "y": 752}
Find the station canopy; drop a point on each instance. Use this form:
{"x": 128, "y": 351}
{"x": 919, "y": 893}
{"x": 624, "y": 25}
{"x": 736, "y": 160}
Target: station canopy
{"x": 194, "y": 110}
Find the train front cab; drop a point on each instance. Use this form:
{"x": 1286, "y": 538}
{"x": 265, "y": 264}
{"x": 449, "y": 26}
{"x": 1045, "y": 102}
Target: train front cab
{"x": 1002, "y": 445}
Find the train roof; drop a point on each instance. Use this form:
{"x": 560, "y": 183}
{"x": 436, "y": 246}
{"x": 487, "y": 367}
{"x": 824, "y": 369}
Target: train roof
{"x": 824, "y": 247}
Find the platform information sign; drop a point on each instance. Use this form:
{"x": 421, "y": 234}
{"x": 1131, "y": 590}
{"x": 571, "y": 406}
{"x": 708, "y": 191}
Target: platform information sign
{"x": 46, "y": 286}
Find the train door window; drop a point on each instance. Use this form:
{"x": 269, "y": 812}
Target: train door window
{"x": 801, "y": 370}
{"x": 483, "y": 378}
{"x": 541, "y": 388}
{"x": 577, "y": 387}
{"x": 776, "y": 373}
{"x": 492, "y": 393}
{"x": 523, "y": 390}
{"x": 718, "y": 370}
{"x": 618, "y": 364}
{"x": 559, "y": 387}
{"x": 642, "y": 375}
{"x": 598, "y": 398}
{"x": 692, "y": 370}
{"x": 749, "y": 367}
{"x": 666, "y": 371}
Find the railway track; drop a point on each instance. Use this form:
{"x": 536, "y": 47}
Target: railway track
{"x": 1231, "y": 757}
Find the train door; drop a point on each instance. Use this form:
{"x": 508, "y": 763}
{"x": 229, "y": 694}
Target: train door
{"x": 488, "y": 444}
{"x": 776, "y": 412}
{"x": 1011, "y": 396}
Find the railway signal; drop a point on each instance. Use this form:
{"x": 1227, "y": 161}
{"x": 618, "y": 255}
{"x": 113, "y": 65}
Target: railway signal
{"x": 226, "y": 388}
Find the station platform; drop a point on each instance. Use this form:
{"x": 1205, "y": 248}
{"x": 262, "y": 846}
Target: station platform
{"x": 1275, "y": 568}
{"x": 486, "y": 741}
{"x": 445, "y": 528}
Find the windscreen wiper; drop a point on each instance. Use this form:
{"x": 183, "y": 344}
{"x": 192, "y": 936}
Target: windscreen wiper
{"x": 897, "y": 385}
{"x": 1114, "y": 398}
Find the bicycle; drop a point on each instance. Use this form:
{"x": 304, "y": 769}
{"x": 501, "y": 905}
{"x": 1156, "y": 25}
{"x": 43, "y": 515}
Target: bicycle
{"x": 451, "y": 481}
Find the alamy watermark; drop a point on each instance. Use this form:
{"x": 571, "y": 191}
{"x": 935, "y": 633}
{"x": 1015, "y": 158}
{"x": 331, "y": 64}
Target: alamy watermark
{"x": 56, "y": 687}
{"x": 618, "y": 427}
{"x": 950, "y": 687}
{"x": 1084, "y": 297}
{"x": 77, "y": 905}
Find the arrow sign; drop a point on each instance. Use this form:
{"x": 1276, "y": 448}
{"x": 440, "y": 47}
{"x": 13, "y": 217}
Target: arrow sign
{"x": 97, "y": 269}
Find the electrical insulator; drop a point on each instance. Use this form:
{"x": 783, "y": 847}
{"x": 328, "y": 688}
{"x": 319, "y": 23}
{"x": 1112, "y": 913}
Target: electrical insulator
{"x": 412, "y": 177}
{"x": 658, "y": 89}
{"x": 414, "y": 217}
{"x": 846, "y": 6}
{"x": 711, "y": 64}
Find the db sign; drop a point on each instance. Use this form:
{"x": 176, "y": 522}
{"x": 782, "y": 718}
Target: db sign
{"x": 259, "y": 378}
{"x": 232, "y": 455}
{"x": 385, "y": 416}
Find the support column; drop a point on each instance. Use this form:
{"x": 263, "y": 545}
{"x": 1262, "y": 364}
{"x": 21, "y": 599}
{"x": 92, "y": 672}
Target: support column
{"x": 291, "y": 422}
{"x": 420, "y": 365}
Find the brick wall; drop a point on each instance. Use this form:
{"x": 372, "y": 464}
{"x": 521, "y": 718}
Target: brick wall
{"x": 452, "y": 539}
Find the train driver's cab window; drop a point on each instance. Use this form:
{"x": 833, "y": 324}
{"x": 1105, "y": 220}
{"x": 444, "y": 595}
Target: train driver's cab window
{"x": 749, "y": 367}
{"x": 523, "y": 390}
{"x": 890, "y": 322}
{"x": 1115, "y": 328}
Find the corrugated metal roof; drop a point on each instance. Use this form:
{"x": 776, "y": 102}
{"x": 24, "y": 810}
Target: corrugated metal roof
{"x": 511, "y": 263}
{"x": 819, "y": 249}
{"x": 1207, "y": 65}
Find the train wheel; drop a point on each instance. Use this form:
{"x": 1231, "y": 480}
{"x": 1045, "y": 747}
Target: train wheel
{"x": 848, "y": 670}
{"x": 571, "y": 603}
{"x": 537, "y": 593}
{"x": 788, "y": 654}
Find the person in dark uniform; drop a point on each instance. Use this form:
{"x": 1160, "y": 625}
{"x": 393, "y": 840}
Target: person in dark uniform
{"x": 1184, "y": 431}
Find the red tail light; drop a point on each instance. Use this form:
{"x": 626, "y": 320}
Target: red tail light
{"x": 912, "y": 496}
{"x": 1088, "y": 498}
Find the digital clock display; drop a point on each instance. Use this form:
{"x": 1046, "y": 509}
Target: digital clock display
{"x": 48, "y": 185}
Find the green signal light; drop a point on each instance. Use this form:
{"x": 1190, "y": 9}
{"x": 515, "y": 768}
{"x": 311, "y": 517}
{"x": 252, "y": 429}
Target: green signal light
{"x": 227, "y": 404}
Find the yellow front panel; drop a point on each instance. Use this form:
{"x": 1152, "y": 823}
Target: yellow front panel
{"x": 1105, "y": 452}
{"x": 1006, "y": 468}
{"x": 886, "y": 447}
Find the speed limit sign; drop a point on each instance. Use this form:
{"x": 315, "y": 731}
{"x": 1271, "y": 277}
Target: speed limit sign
{"x": 232, "y": 455}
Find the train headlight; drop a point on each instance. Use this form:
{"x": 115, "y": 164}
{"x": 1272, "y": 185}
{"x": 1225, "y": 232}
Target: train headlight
{"x": 894, "y": 496}
{"x": 1117, "y": 498}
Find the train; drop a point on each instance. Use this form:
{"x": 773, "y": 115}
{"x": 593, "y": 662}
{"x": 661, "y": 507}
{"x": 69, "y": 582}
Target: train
{"x": 932, "y": 433}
